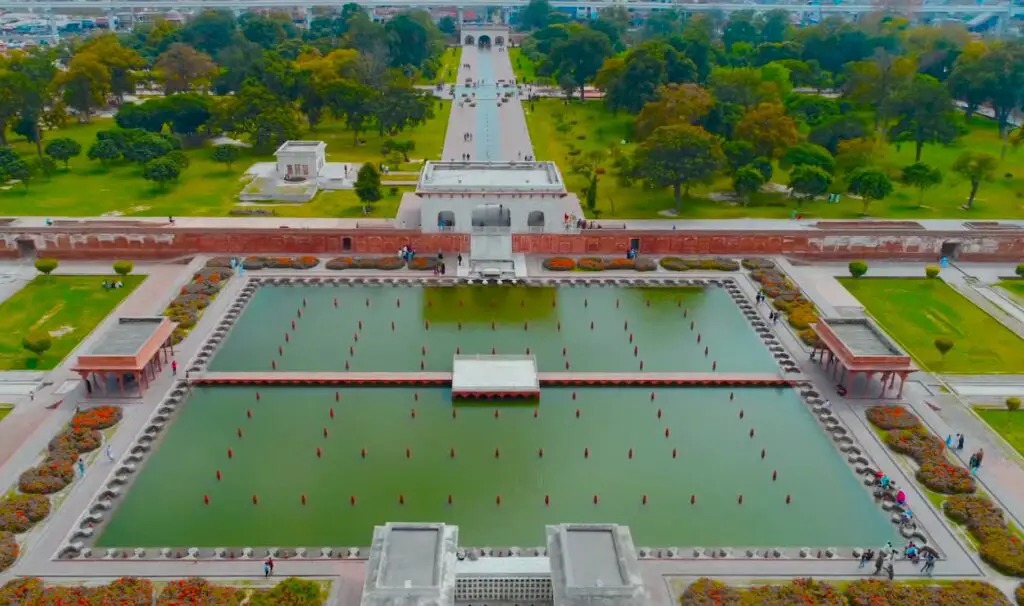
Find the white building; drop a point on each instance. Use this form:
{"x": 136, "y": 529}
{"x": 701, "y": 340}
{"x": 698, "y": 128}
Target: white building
{"x": 300, "y": 160}
{"x": 464, "y": 197}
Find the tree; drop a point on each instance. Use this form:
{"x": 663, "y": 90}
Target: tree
{"x": 448, "y": 26}
{"x": 832, "y": 132}
{"x": 85, "y": 84}
{"x": 32, "y": 73}
{"x": 399, "y": 106}
{"x": 150, "y": 115}
{"x": 120, "y": 62}
{"x": 855, "y": 153}
{"x": 975, "y": 167}
{"x": 367, "y": 185}
{"x": 591, "y": 195}
{"x": 182, "y": 68}
{"x": 63, "y": 149}
{"x": 576, "y": 59}
{"x": 146, "y": 147}
{"x": 808, "y": 154}
{"x": 413, "y": 38}
{"x": 876, "y": 82}
{"x": 46, "y": 265}
{"x": 944, "y": 345}
{"x": 266, "y": 119}
{"x": 37, "y": 343}
{"x": 104, "y": 150}
{"x": 187, "y": 113}
{"x": 123, "y": 268}
{"x": 210, "y": 31}
{"x": 870, "y": 184}
{"x": 1013, "y": 403}
{"x": 676, "y": 104}
{"x": 925, "y": 114}
{"x": 922, "y": 176}
{"x": 995, "y": 76}
{"x": 678, "y": 156}
{"x": 161, "y": 171}
{"x": 744, "y": 86}
{"x": 746, "y": 182}
{"x": 768, "y": 129}
{"x": 225, "y": 154}
{"x": 15, "y": 167}
{"x": 402, "y": 147}
{"x": 809, "y": 181}
{"x": 536, "y": 15}
{"x": 738, "y": 154}
{"x": 812, "y": 110}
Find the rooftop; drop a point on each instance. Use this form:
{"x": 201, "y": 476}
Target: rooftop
{"x": 411, "y": 564}
{"x": 483, "y": 374}
{"x": 300, "y": 146}
{"x": 127, "y": 337}
{"x": 412, "y": 558}
{"x": 862, "y": 338}
{"x": 484, "y": 177}
{"x": 593, "y": 558}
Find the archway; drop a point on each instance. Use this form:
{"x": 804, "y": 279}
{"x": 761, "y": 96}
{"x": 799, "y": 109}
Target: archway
{"x": 470, "y": 40}
{"x": 491, "y": 215}
{"x": 445, "y": 220}
{"x": 499, "y": 41}
{"x": 346, "y": 243}
{"x": 484, "y": 42}
{"x": 535, "y": 219}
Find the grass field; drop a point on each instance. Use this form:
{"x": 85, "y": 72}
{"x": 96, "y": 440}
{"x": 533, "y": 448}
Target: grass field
{"x": 915, "y": 311}
{"x": 556, "y": 128}
{"x": 66, "y": 307}
{"x": 1008, "y": 424}
{"x": 1014, "y": 287}
{"x": 524, "y": 68}
{"x": 206, "y": 188}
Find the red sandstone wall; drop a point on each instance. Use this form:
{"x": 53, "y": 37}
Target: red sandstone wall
{"x": 154, "y": 243}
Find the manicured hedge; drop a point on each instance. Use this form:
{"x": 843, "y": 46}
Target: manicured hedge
{"x": 559, "y": 264}
{"x": 305, "y": 262}
{"x": 786, "y": 297}
{"x": 999, "y": 546}
{"x": 389, "y": 262}
{"x": 867, "y": 592}
{"x": 712, "y": 264}
{"x": 196, "y": 296}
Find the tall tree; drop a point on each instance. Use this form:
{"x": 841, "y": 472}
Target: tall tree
{"x": 413, "y": 38}
{"x": 870, "y": 184}
{"x": 768, "y": 129}
{"x": 210, "y": 31}
{"x": 808, "y": 181}
{"x": 743, "y": 86}
{"x": 921, "y": 176}
{"x": 367, "y": 186}
{"x": 84, "y": 85}
{"x": 878, "y": 82}
{"x": 808, "y": 154}
{"x": 675, "y": 104}
{"x": 577, "y": 58}
{"x": 925, "y": 114}
{"x": 678, "y": 156}
{"x": 266, "y": 119}
{"x": 536, "y": 15}
{"x": 975, "y": 167}
{"x": 746, "y": 182}
{"x": 119, "y": 60}
{"x": 183, "y": 68}
{"x": 32, "y": 73}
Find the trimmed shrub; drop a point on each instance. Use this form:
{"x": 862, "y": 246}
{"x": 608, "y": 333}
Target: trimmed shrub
{"x": 46, "y": 265}
{"x": 1020, "y": 270}
{"x": 999, "y": 546}
{"x": 8, "y": 550}
{"x": 1012, "y": 404}
{"x": 809, "y": 337}
{"x": 858, "y": 268}
{"x": 943, "y": 344}
{"x": 123, "y": 268}
{"x": 713, "y": 264}
{"x": 757, "y": 263}
{"x": 932, "y": 271}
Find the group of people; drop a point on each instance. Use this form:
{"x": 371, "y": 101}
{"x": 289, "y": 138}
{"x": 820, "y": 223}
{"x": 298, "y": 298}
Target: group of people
{"x": 467, "y": 137}
{"x": 957, "y": 443}
{"x": 112, "y": 285}
{"x": 886, "y": 557}
{"x": 407, "y": 253}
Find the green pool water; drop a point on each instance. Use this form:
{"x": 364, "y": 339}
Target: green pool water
{"x": 276, "y": 460}
{"x": 446, "y": 320}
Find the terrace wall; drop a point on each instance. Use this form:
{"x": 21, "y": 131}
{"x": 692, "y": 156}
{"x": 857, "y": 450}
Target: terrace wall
{"x": 156, "y": 242}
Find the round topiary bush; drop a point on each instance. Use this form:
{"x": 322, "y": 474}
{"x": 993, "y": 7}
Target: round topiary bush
{"x": 1020, "y": 270}
{"x": 123, "y": 268}
{"x": 932, "y": 271}
{"x": 858, "y": 268}
{"x": 1012, "y": 403}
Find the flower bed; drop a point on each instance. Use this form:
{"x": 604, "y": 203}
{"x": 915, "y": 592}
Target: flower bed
{"x": 868, "y": 592}
{"x": 19, "y": 512}
{"x": 712, "y": 264}
{"x": 603, "y": 263}
{"x": 8, "y": 551}
{"x": 559, "y": 264}
{"x": 196, "y": 296}
{"x": 934, "y": 471}
{"x": 198, "y": 591}
{"x": 999, "y": 546}
{"x": 786, "y": 297}
{"x": 291, "y": 591}
{"x": 892, "y": 417}
{"x": 100, "y": 417}
{"x": 389, "y": 262}
{"x": 423, "y": 263}
{"x": 305, "y": 262}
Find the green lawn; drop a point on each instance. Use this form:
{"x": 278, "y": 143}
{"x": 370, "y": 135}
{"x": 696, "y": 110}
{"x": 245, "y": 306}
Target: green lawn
{"x": 66, "y": 307}
{"x": 205, "y": 189}
{"x": 556, "y": 128}
{"x": 914, "y": 311}
{"x": 343, "y": 204}
{"x": 5, "y": 409}
{"x": 524, "y": 68}
{"x": 449, "y": 69}
{"x": 1008, "y": 424}
{"x": 1014, "y": 287}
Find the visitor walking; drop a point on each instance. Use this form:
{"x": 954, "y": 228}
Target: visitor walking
{"x": 866, "y": 557}
{"x": 879, "y": 561}
{"x": 174, "y": 367}
{"x": 949, "y": 441}
{"x": 266, "y": 569}
{"x": 889, "y": 570}
{"x": 459, "y": 259}
{"x": 270, "y": 564}
{"x": 109, "y": 453}
{"x": 81, "y": 466}
{"x": 929, "y": 563}
{"x": 959, "y": 441}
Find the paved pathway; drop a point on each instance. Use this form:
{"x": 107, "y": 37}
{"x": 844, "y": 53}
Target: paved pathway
{"x": 499, "y": 134}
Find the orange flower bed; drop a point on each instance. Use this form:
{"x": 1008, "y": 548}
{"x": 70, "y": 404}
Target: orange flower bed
{"x": 100, "y": 417}
{"x": 559, "y": 264}
{"x": 892, "y": 417}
